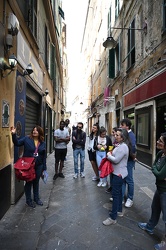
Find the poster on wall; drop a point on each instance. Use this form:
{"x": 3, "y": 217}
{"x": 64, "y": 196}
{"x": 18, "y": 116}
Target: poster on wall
{"x": 5, "y": 114}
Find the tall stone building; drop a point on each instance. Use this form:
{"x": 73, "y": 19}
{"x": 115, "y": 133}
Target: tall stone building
{"x": 32, "y": 91}
{"x": 125, "y": 66}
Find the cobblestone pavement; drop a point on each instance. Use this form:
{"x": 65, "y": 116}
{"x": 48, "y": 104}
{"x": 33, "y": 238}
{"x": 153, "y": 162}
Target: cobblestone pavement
{"x": 72, "y": 215}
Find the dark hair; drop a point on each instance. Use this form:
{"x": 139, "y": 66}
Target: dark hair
{"x": 115, "y": 129}
{"x": 102, "y": 130}
{"x": 92, "y": 133}
{"x": 80, "y": 123}
{"x": 164, "y": 138}
{"x": 40, "y": 131}
{"x": 62, "y": 122}
{"x": 127, "y": 122}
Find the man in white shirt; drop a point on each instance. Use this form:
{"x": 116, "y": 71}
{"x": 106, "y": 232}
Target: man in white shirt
{"x": 61, "y": 137}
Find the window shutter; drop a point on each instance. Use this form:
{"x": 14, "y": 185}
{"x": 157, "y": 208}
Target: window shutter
{"x": 111, "y": 63}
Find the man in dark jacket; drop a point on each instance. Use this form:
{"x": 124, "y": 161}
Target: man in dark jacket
{"x": 79, "y": 140}
{"x": 129, "y": 180}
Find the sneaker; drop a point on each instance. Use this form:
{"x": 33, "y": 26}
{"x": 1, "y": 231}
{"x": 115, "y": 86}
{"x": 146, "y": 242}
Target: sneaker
{"x": 55, "y": 176}
{"x": 75, "y": 176}
{"x": 143, "y": 226}
{"x": 109, "y": 222}
{"x": 82, "y": 175}
{"x": 108, "y": 191}
{"x": 61, "y": 175}
{"x": 99, "y": 184}
{"x": 95, "y": 178}
{"x": 160, "y": 246}
{"x": 129, "y": 203}
{"x": 120, "y": 214}
{"x": 104, "y": 184}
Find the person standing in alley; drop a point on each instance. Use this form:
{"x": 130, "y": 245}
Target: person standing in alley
{"x": 159, "y": 198}
{"x": 33, "y": 142}
{"x": 101, "y": 145}
{"x": 119, "y": 158}
{"x": 67, "y": 122}
{"x": 78, "y": 145}
{"x": 129, "y": 180}
{"x": 61, "y": 137}
{"x": 92, "y": 152}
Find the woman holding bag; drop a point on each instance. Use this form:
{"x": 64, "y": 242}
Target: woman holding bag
{"x": 118, "y": 157}
{"x": 34, "y": 146}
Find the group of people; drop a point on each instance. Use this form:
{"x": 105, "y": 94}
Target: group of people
{"x": 120, "y": 150}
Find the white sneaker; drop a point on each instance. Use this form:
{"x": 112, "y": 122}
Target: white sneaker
{"x": 104, "y": 184}
{"x": 129, "y": 203}
{"x": 109, "y": 222}
{"x": 99, "y": 184}
{"x": 120, "y": 214}
{"x": 82, "y": 175}
{"x": 75, "y": 176}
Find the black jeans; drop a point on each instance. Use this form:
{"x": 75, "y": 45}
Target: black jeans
{"x": 35, "y": 184}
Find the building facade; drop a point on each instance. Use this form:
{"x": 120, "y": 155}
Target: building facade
{"x": 33, "y": 92}
{"x": 125, "y": 73}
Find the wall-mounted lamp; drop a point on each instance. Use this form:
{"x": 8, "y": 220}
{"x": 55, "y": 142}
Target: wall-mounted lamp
{"x": 46, "y": 92}
{"x": 28, "y": 70}
{"x": 111, "y": 43}
{"x": 3, "y": 66}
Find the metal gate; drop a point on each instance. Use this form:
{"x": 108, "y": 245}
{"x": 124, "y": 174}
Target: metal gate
{"x": 32, "y": 115}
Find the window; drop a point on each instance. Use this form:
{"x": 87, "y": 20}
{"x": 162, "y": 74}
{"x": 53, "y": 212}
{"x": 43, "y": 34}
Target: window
{"x": 164, "y": 15}
{"x": 117, "y": 8}
{"x": 131, "y": 44}
{"x": 32, "y": 17}
{"x": 109, "y": 22}
{"x": 114, "y": 61}
{"x": 143, "y": 128}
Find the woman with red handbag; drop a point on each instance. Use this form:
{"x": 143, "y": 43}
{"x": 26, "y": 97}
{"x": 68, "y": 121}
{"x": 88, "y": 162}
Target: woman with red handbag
{"x": 34, "y": 146}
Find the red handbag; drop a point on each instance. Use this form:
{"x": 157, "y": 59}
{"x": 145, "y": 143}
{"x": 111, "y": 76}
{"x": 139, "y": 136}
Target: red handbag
{"x": 105, "y": 167}
{"x": 25, "y": 169}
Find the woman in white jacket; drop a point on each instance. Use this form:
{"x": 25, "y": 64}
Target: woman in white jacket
{"x": 118, "y": 157}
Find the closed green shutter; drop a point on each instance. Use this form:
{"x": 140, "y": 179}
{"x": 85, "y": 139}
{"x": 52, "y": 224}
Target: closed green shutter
{"x": 111, "y": 63}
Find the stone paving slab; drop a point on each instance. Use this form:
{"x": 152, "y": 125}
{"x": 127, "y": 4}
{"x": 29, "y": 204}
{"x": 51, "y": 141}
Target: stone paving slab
{"x": 72, "y": 215}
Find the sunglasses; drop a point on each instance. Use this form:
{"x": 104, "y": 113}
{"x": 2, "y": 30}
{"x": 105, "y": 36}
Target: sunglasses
{"x": 79, "y": 127}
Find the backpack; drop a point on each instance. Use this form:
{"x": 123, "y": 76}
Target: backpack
{"x": 25, "y": 169}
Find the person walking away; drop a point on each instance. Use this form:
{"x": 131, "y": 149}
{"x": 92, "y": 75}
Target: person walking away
{"x": 129, "y": 180}
{"x": 30, "y": 143}
{"x": 159, "y": 198}
{"x": 101, "y": 145}
{"x": 119, "y": 158}
{"x": 61, "y": 137}
{"x": 78, "y": 144}
{"x": 92, "y": 152}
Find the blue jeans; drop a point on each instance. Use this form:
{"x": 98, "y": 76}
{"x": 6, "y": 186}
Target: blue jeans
{"x": 76, "y": 153}
{"x": 129, "y": 181}
{"x": 99, "y": 156}
{"x": 117, "y": 183}
{"x": 158, "y": 206}
{"x": 35, "y": 184}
